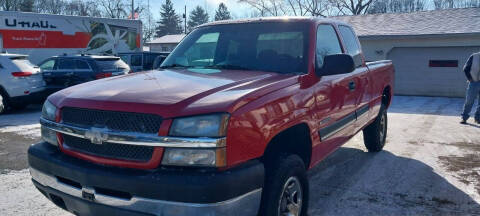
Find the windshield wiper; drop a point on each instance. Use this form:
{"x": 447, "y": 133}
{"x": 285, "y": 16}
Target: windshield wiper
{"x": 175, "y": 66}
{"x": 226, "y": 66}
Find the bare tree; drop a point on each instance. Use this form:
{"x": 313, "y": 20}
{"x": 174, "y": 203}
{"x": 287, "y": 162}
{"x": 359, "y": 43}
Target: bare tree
{"x": 445, "y": 4}
{"x": 354, "y": 7}
{"x": 50, "y": 6}
{"x": 82, "y": 8}
{"x": 10, "y": 5}
{"x": 114, "y": 8}
{"x": 397, "y": 6}
{"x": 289, "y": 7}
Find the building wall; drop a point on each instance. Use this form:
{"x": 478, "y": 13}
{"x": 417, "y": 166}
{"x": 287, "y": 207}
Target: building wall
{"x": 162, "y": 47}
{"x": 378, "y": 49}
{"x": 411, "y": 56}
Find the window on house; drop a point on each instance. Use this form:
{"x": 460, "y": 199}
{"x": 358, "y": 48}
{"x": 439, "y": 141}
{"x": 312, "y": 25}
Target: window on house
{"x": 443, "y": 63}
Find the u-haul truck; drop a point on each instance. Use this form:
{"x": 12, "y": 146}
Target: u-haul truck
{"x": 43, "y": 35}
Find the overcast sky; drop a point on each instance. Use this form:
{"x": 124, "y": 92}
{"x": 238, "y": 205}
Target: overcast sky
{"x": 236, "y": 9}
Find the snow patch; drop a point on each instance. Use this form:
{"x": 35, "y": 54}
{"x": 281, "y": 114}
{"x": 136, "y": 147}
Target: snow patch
{"x": 20, "y": 197}
{"x": 30, "y": 131}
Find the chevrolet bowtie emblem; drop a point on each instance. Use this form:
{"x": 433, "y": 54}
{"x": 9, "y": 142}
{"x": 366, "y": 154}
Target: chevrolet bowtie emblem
{"x": 96, "y": 135}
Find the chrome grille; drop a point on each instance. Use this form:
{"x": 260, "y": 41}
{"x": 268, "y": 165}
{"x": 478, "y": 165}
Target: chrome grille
{"x": 113, "y": 120}
{"x": 109, "y": 150}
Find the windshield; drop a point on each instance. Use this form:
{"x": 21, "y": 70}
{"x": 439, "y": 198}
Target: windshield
{"x": 272, "y": 47}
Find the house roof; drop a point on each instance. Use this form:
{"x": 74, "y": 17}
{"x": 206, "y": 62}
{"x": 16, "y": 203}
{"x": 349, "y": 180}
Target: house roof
{"x": 437, "y": 22}
{"x": 167, "y": 39}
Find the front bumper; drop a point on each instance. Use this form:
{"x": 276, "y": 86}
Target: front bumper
{"x": 85, "y": 188}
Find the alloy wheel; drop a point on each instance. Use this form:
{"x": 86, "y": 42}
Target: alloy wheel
{"x": 290, "y": 203}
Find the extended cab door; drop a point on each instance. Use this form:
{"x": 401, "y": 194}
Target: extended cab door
{"x": 336, "y": 102}
{"x": 358, "y": 83}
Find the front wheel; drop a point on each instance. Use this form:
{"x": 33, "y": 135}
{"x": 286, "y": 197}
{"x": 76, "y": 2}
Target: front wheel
{"x": 286, "y": 188}
{"x": 375, "y": 134}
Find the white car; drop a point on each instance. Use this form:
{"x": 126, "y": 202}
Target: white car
{"x": 21, "y": 82}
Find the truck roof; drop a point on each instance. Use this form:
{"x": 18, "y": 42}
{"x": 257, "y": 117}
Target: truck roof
{"x": 275, "y": 19}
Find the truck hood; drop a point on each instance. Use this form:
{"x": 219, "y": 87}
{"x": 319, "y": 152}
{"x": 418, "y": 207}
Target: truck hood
{"x": 174, "y": 92}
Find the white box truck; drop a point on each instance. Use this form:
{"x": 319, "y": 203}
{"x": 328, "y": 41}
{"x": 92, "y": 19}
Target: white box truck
{"x": 44, "y": 35}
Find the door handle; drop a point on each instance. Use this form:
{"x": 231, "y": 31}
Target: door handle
{"x": 352, "y": 85}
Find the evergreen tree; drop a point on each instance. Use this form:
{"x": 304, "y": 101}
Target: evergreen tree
{"x": 222, "y": 12}
{"x": 197, "y": 17}
{"x": 170, "y": 22}
{"x": 26, "y": 5}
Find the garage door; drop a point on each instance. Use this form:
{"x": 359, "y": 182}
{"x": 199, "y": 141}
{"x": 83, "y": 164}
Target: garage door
{"x": 431, "y": 71}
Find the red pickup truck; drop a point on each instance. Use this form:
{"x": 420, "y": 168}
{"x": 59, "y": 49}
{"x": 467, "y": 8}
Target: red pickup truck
{"x": 227, "y": 126}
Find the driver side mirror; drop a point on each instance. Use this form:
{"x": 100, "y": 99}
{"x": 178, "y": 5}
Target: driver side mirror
{"x": 335, "y": 64}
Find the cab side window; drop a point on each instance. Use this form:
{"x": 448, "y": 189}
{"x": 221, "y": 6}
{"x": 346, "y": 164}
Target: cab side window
{"x": 48, "y": 65}
{"x": 327, "y": 43}
{"x": 66, "y": 64}
{"x": 82, "y": 65}
{"x": 351, "y": 44}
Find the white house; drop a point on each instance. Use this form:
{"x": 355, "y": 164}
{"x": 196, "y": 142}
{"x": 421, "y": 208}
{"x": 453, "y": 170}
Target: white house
{"x": 428, "y": 48}
{"x": 165, "y": 43}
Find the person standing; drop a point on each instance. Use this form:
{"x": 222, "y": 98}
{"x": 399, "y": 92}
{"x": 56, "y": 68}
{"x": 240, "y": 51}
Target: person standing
{"x": 472, "y": 71}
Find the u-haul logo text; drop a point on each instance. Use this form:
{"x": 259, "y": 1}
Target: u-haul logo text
{"x": 42, "y": 24}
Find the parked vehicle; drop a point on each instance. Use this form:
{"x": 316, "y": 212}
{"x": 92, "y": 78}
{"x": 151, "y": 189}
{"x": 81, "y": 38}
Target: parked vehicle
{"x": 229, "y": 125}
{"x": 43, "y": 35}
{"x": 21, "y": 82}
{"x": 60, "y": 72}
{"x": 141, "y": 61}
{"x": 159, "y": 60}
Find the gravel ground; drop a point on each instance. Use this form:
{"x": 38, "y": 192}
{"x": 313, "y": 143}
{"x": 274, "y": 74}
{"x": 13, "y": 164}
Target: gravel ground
{"x": 430, "y": 166}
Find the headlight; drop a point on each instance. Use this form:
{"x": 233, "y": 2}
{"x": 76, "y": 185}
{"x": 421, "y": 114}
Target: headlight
{"x": 49, "y": 136}
{"x": 200, "y": 126}
{"x": 49, "y": 111}
{"x": 194, "y": 157}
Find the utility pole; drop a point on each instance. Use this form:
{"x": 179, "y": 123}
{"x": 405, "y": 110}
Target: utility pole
{"x": 133, "y": 10}
{"x": 185, "y": 18}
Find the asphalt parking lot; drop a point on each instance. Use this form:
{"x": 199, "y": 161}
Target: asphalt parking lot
{"x": 430, "y": 166}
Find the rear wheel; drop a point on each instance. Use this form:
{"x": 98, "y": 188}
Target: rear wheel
{"x": 375, "y": 134}
{"x": 19, "y": 106}
{"x": 286, "y": 187}
{"x": 3, "y": 103}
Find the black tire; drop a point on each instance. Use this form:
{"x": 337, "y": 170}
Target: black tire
{"x": 19, "y": 106}
{"x": 284, "y": 169}
{"x": 3, "y": 103}
{"x": 375, "y": 134}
